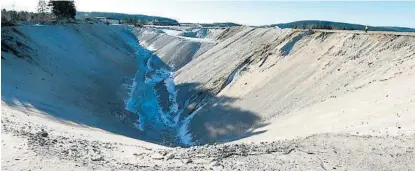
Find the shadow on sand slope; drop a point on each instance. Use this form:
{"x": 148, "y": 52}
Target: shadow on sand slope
{"x": 215, "y": 120}
{"x": 98, "y": 100}
{"x": 70, "y": 78}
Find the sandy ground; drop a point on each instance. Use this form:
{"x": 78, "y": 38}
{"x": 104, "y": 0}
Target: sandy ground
{"x": 370, "y": 32}
{"x": 172, "y": 47}
{"x": 72, "y": 74}
{"x": 302, "y": 83}
{"x": 278, "y": 99}
{"x": 32, "y": 145}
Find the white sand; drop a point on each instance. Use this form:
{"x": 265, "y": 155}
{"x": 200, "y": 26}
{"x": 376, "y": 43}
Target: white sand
{"x": 338, "y": 82}
{"x": 355, "y": 91}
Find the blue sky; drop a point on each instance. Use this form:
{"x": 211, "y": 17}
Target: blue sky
{"x": 253, "y": 12}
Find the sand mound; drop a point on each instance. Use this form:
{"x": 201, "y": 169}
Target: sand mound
{"x": 77, "y": 74}
{"x": 274, "y": 84}
{"x": 97, "y": 97}
{"x": 177, "y": 47}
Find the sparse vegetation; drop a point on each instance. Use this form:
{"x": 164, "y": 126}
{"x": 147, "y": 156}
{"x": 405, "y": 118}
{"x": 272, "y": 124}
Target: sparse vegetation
{"x": 46, "y": 12}
{"x": 10, "y": 18}
{"x": 43, "y": 10}
{"x": 132, "y": 19}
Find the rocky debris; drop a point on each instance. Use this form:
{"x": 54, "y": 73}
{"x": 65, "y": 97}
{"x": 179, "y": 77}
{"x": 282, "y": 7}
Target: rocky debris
{"x": 169, "y": 156}
{"x": 157, "y": 156}
{"x": 187, "y": 161}
{"x": 215, "y": 165}
{"x": 44, "y": 134}
{"x": 163, "y": 153}
{"x": 97, "y": 158}
{"x": 315, "y": 152}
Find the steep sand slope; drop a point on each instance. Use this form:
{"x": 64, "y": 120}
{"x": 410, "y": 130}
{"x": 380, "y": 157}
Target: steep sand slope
{"x": 64, "y": 90}
{"x": 74, "y": 74}
{"x": 289, "y": 83}
{"x": 173, "y": 48}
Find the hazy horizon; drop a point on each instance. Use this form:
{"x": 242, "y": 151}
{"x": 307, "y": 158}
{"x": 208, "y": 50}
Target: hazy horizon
{"x": 251, "y": 13}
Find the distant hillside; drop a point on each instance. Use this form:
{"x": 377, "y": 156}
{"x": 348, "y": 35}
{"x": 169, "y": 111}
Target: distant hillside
{"x": 121, "y": 16}
{"x": 226, "y": 24}
{"x": 316, "y": 24}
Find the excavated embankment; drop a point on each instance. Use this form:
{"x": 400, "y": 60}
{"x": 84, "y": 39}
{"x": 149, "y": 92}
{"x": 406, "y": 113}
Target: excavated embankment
{"x": 83, "y": 96}
{"x": 271, "y": 84}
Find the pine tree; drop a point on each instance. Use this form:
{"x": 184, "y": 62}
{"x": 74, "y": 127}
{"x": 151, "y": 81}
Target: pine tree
{"x": 63, "y": 9}
{"x": 42, "y": 8}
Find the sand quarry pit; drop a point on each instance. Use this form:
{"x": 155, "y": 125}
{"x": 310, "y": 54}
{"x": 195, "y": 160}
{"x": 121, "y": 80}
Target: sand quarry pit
{"x": 98, "y": 97}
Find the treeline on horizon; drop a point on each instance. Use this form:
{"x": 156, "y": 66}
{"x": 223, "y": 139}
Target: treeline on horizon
{"x": 128, "y": 18}
{"x": 51, "y": 11}
{"x": 330, "y": 25}
{"x": 12, "y": 17}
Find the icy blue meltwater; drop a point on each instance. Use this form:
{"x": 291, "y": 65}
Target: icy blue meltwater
{"x": 144, "y": 100}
